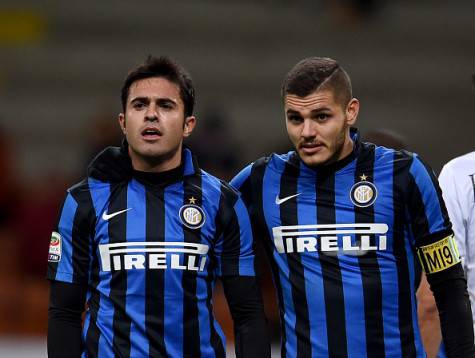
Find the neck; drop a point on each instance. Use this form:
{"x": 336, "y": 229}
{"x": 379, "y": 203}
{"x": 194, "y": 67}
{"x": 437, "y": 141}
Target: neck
{"x": 347, "y": 147}
{"x": 155, "y": 164}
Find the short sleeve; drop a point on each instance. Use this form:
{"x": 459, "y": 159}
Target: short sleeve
{"x": 435, "y": 244}
{"x": 242, "y": 178}
{"x": 428, "y": 214}
{"x": 234, "y": 249}
{"x": 69, "y": 254}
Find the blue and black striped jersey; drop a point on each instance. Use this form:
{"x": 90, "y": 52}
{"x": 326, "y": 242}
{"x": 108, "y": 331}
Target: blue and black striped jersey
{"x": 343, "y": 241}
{"x": 150, "y": 253}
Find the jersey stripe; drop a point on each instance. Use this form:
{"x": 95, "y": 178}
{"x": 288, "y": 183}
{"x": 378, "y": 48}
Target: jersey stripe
{"x": 288, "y": 216}
{"x": 100, "y": 193}
{"x": 331, "y": 271}
{"x": 245, "y": 259}
{"x": 210, "y": 335}
{"x": 350, "y": 272}
{"x": 173, "y": 301}
{"x": 82, "y": 242}
{"x": 430, "y": 198}
{"x": 81, "y": 235}
{"x": 400, "y": 243}
{"x": 368, "y": 263}
{"x": 135, "y": 231}
{"x": 255, "y": 191}
{"x": 314, "y": 289}
{"x": 270, "y": 187}
{"x": 118, "y": 282}
{"x": 387, "y": 262}
{"x": 191, "y": 334}
{"x": 66, "y": 228}
{"x": 213, "y": 268}
{"x": 155, "y": 231}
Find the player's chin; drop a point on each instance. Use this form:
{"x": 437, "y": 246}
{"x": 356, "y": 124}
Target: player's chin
{"x": 150, "y": 151}
{"x": 313, "y": 160}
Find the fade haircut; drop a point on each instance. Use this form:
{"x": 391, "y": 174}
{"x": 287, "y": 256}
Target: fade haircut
{"x": 166, "y": 68}
{"x": 315, "y": 74}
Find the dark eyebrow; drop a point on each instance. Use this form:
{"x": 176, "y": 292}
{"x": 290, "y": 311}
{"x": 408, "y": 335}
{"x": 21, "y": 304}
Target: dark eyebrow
{"x": 144, "y": 99}
{"x": 320, "y": 110}
{"x": 166, "y": 100}
{"x": 291, "y": 111}
{"x": 140, "y": 99}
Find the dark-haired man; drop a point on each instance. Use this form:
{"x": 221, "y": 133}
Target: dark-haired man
{"x": 342, "y": 222}
{"x": 144, "y": 236}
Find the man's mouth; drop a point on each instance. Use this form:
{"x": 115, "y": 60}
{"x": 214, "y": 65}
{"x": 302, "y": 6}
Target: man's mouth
{"x": 151, "y": 133}
{"x": 311, "y": 148}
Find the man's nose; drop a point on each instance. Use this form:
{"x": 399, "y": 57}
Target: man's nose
{"x": 308, "y": 129}
{"x": 151, "y": 114}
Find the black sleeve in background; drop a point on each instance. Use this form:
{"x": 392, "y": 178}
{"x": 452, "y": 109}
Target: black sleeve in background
{"x": 66, "y": 305}
{"x": 247, "y": 310}
{"x": 450, "y": 293}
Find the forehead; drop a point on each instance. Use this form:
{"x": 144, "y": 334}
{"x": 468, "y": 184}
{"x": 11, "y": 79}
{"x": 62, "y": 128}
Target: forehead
{"x": 154, "y": 87}
{"x": 315, "y": 100}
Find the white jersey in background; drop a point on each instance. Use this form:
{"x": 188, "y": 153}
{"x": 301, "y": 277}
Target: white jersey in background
{"x": 457, "y": 180}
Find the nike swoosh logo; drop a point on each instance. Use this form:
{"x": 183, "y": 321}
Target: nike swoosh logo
{"x": 106, "y": 216}
{"x": 279, "y": 201}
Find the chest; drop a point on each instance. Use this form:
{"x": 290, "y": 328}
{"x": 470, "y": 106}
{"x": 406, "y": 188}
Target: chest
{"x": 139, "y": 228}
{"x": 341, "y": 215}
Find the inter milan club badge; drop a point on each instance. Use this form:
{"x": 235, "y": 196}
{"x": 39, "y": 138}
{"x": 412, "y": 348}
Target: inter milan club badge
{"x": 363, "y": 193}
{"x": 191, "y": 215}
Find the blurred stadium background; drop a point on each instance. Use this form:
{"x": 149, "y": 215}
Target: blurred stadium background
{"x": 62, "y": 66}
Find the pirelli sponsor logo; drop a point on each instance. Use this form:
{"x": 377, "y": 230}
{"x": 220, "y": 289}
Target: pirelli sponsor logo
{"x": 350, "y": 239}
{"x": 439, "y": 256}
{"x": 153, "y": 255}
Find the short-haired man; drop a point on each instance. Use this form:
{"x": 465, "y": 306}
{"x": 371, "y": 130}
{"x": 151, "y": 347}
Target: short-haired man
{"x": 343, "y": 222}
{"x": 144, "y": 236}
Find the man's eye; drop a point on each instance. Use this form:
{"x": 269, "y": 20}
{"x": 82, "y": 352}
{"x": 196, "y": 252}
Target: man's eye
{"x": 166, "y": 106}
{"x": 322, "y": 116}
{"x": 295, "y": 119}
{"x": 139, "y": 105}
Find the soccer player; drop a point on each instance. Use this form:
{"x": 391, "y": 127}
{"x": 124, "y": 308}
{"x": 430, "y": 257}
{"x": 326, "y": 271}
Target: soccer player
{"x": 144, "y": 236}
{"x": 342, "y": 222}
{"x": 457, "y": 180}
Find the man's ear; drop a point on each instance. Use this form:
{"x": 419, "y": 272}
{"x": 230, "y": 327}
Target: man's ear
{"x": 352, "y": 110}
{"x": 189, "y": 125}
{"x": 121, "y": 119}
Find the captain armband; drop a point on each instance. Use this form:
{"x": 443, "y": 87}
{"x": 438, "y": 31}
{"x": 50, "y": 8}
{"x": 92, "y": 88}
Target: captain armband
{"x": 439, "y": 256}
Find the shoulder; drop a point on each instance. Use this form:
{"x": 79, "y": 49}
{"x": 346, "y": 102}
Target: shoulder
{"x": 402, "y": 160}
{"x": 212, "y": 185}
{"x": 79, "y": 189}
{"x": 459, "y": 174}
{"x": 85, "y": 187}
{"x": 273, "y": 162}
{"x": 385, "y": 153}
{"x": 464, "y": 164}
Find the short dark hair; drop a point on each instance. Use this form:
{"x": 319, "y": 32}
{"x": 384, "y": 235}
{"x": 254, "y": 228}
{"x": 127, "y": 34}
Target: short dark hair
{"x": 318, "y": 73}
{"x": 162, "y": 67}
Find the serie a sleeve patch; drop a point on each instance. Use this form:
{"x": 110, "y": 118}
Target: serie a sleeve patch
{"x": 54, "y": 254}
{"x": 439, "y": 256}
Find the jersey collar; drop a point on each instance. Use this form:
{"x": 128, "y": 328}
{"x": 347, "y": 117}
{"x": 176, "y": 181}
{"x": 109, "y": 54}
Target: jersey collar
{"x": 113, "y": 164}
